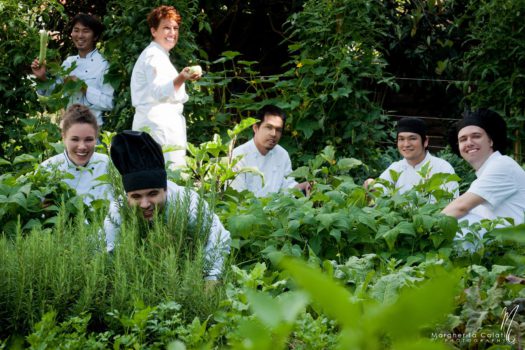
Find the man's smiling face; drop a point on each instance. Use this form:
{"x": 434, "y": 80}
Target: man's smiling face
{"x": 148, "y": 200}
{"x": 411, "y": 147}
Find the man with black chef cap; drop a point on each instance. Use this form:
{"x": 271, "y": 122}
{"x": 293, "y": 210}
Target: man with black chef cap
{"x": 412, "y": 143}
{"x": 140, "y": 161}
{"x": 499, "y": 190}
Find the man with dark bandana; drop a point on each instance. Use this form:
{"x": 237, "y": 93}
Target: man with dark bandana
{"x": 412, "y": 144}
{"x": 499, "y": 190}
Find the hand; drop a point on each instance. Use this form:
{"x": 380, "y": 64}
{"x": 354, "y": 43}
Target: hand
{"x": 368, "y": 182}
{"x": 306, "y": 187}
{"x": 189, "y": 75}
{"x": 70, "y": 78}
{"x": 39, "y": 70}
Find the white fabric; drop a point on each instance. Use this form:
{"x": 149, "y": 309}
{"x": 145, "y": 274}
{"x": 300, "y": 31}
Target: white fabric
{"x": 91, "y": 69}
{"x": 275, "y": 165}
{"x": 84, "y": 179}
{"x": 409, "y": 176}
{"x": 218, "y": 240}
{"x": 158, "y": 106}
{"x": 501, "y": 183}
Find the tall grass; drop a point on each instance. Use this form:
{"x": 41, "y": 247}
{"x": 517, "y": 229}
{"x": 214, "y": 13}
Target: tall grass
{"x": 67, "y": 269}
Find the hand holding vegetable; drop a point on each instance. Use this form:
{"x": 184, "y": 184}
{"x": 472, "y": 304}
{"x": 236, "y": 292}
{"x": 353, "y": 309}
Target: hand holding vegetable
{"x": 192, "y": 73}
{"x": 38, "y": 66}
{"x": 39, "y": 70}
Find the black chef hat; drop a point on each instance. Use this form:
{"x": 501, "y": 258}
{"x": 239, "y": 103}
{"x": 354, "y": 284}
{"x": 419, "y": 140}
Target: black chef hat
{"x": 488, "y": 120}
{"x": 139, "y": 160}
{"x": 412, "y": 124}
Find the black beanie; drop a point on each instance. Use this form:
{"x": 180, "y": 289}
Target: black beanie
{"x": 488, "y": 120}
{"x": 139, "y": 160}
{"x": 412, "y": 124}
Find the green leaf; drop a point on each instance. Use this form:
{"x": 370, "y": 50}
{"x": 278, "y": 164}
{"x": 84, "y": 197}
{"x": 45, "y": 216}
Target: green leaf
{"x": 390, "y": 236}
{"x": 24, "y": 158}
{"x": 421, "y": 306}
{"x": 230, "y": 54}
{"x": 348, "y": 163}
{"x": 332, "y": 297}
{"x": 307, "y": 127}
{"x": 265, "y": 308}
{"x": 243, "y": 125}
{"x": 301, "y": 172}
{"x": 242, "y": 224}
{"x": 176, "y": 345}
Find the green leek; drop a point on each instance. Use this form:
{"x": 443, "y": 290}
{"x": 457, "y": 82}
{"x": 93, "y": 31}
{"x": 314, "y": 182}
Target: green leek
{"x": 43, "y": 47}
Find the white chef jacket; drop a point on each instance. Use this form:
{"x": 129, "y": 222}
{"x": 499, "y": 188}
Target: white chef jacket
{"x": 84, "y": 179}
{"x": 158, "y": 106}
{"x": 409, "y": 176}
{"x": 91, "y": 69}
{"x": 275, "y": 165}
{"x": 218, "y": 240}
{"x": 501, "y": 183}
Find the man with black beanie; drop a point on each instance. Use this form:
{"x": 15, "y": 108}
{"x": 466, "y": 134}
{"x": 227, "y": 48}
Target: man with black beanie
{"x": 140, "y": 161}
{"x": 412, "y": 143}
{"x": 499, "y": 190}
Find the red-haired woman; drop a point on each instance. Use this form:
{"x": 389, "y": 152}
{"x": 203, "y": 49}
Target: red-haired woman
{"x": 157, "y": 89}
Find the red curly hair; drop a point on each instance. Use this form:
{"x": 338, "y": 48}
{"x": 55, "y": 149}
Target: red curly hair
{"x": 163, "y": 12}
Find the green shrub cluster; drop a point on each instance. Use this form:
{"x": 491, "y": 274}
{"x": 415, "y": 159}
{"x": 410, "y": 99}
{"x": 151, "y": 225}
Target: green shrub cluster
{"x": 67, "y": 270}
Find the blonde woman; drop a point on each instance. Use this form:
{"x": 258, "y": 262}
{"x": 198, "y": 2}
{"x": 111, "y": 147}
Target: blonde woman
{"x": 79, "y": 160}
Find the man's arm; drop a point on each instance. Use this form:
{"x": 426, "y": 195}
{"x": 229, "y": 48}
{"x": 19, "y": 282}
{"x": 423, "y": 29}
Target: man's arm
{"x": 460, "y": 206}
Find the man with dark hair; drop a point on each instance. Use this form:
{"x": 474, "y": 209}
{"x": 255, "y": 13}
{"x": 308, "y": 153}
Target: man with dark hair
{"x": 264, "y": 153}
{"x": 412, "y": 143}
{"x": 91, "y": 67}
{"x": 499, "y": 190}
{"x": 140, "y": 161}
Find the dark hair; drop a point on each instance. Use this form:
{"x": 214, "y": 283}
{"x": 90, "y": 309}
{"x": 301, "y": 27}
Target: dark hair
{"x": 490, "y": 121}
{"x": 89, "y": 21}
{"x": 162, "y": 12}
{"x": 414, "y": 125}
{"x": 270, "y": 110}
{"x": 78, "y": 114}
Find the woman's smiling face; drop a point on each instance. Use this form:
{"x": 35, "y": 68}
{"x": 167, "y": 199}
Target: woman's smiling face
{"x": 80, "y": 141}
{"x": 166, "y": 34}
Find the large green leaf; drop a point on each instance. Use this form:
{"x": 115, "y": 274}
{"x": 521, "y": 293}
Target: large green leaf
{"x": 335, "y": 300}
{"x": 420, "y": 307}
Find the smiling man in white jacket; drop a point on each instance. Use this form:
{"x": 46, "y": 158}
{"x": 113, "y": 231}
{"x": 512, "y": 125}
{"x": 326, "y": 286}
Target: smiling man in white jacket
{"x": 499, "y": 190}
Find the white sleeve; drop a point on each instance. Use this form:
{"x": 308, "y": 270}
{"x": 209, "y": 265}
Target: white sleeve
{"x": 100, "y": 94}
{"x": 162, "y": 88}
{"x": 239, "y": 182}
{"x": 494, "y": 185}
{"x": 288, "y": 181}
{"x": 111, "y": 225}
{"x": 218, "y": 244}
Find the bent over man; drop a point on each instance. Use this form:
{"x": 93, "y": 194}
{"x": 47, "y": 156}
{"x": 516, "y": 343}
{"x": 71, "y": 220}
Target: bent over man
{"x": 140, "y": 161}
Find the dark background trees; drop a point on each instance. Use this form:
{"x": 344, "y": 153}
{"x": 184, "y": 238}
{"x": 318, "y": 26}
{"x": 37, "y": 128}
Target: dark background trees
{"x": 339, "y": 68}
